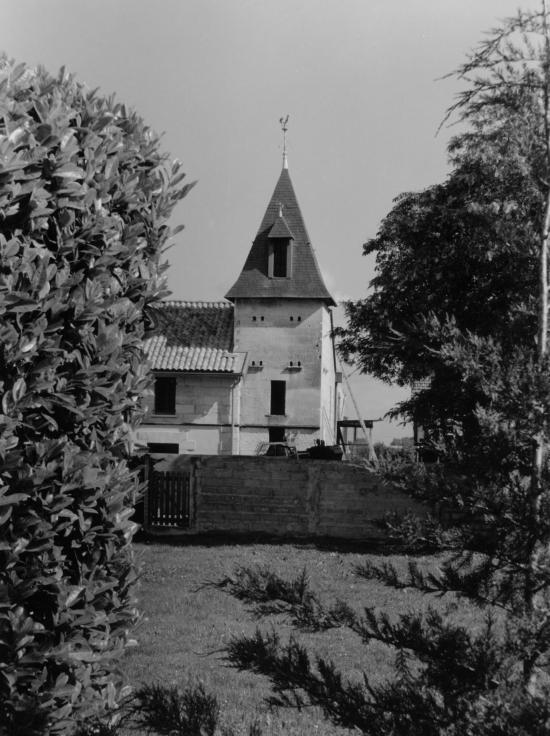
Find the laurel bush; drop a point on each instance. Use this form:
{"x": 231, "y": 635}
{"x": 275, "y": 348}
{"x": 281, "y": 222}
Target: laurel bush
{"x": 85, "y": 196}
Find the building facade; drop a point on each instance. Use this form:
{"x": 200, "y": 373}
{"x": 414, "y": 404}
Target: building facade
{"x": 258, "y": 367}
{"x": 195, "y": 407}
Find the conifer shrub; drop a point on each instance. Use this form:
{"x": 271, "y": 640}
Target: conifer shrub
{"x": 167, "y": 710}
{"x": 85, "y": 195}
{"x": 191, "y": 711}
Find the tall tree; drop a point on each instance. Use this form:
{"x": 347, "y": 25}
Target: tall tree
{"x": 465, "y": 254}
{"x": 459, "y": 255}
{"x": 85, "y": 195}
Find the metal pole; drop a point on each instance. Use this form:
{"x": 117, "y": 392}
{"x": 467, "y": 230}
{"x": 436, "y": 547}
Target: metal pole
{"x": 372, "y": 455}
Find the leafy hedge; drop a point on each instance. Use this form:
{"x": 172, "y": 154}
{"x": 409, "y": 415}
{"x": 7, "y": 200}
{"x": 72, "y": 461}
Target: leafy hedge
{"x": 85, "y": 195}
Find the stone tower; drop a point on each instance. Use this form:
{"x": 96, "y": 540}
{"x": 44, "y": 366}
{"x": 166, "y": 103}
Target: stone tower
{"x": 283, "y": 321}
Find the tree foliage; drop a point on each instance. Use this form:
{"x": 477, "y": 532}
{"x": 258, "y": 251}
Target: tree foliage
{"x": 450, "y": 678}
{"x": 85, "y": 194}
{"x": 461, "y": 257}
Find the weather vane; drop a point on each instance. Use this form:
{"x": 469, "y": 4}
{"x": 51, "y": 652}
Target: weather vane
{"x": 284, "y": 127}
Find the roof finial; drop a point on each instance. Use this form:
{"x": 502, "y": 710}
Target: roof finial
{"x": 284, "y": 127}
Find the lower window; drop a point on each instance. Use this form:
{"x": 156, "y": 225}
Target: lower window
{"x": 166, "y": 448}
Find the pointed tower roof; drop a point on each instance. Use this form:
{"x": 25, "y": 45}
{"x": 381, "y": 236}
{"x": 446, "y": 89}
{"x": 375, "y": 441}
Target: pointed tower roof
{"x": 282, "y": 219}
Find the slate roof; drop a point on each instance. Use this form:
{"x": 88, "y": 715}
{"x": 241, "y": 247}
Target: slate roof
{"x": 280, "y": 229}
{"x": 194, "y": 337}
{"x": 305, "y": 281}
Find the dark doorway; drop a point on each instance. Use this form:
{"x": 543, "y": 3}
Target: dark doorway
{"x": 276, "y": 434}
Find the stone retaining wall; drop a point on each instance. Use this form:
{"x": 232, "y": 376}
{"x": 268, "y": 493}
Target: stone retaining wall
{"x": 287, "y": 497}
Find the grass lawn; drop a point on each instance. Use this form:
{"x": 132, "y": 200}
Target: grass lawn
{"x": 184, "y": 627}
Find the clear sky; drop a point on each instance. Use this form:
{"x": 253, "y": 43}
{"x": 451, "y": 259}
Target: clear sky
{"x": 357, "y": 77}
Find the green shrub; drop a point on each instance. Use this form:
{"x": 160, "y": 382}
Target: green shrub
{"x": 84, "y": 199}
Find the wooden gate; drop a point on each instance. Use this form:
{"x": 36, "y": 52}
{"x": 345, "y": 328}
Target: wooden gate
{"x": 169, "y": 500}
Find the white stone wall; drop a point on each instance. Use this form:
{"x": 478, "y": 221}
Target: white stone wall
{"x": 329, "y": 389}
{"x": 283, "y": 331}
{"x": 200, "y": 399}
{"x": 206, "y": 418}
{"x": 190, "y": 440}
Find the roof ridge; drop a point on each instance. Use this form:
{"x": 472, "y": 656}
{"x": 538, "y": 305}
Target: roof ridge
{"x": 197, "y": 304}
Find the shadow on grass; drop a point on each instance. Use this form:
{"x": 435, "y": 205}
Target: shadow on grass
{"x": 378, "y": 546}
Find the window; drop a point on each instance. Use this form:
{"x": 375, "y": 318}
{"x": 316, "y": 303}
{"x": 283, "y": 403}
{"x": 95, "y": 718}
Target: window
{"x": 279, "y": 260}
{"x": 165, "y": 395}
{"x": 164, "y": 448}
{"x": 278, "y": 394}
{"x": 276, "y": 434}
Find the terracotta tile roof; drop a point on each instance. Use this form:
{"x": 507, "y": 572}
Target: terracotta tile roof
{"x": 195, "y": 337}
{"x": 305, "y": 281}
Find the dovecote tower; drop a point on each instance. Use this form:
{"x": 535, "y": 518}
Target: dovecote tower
{"x": 283, "y": 321}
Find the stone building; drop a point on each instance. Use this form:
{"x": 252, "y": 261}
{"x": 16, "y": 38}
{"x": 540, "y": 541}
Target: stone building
{"x": 258, "y": 367}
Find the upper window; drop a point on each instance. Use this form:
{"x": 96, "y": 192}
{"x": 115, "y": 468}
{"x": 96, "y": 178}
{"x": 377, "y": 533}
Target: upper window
{"x": 165, "y": 395}
{"x": 279, "y": 258}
